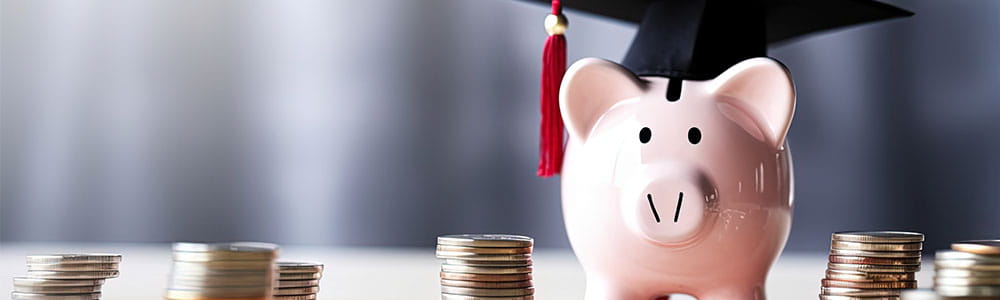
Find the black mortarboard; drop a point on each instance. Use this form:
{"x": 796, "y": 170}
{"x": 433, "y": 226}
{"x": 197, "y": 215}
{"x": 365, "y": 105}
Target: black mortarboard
{"x": 698, "y": 39}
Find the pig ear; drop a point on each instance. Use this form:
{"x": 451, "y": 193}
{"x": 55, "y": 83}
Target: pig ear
{"x": 589, "y": 89}
{"x": 762, "y": 90}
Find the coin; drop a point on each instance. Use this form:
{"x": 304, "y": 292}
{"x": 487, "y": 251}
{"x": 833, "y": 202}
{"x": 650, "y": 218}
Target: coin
{"x": 299, "y": 276}
{"x": 835, "y": 297}
{"x": 297, "y": 283}
{"x": 296, "y": 297}
{"x": 879, "y": 254}
{"x": 920, "y": 294}
{"x": 963, "y": 273}
{"x": 486, "y": 240}
{"x": 73, "y": 275}
{"x": 873, "y": 260}
{"x": 870, "y": 285}
{"x": 984, "y": 247}
{"x": 478, "y": 257}
{"x": 966, "y": 264}
{"x": 182, "y": 281}
{"x": 487, "y": 292}
{"x": 30, "y": 296}
{"x": 967, "y": 281}
{"x": 224, "y": 265}
{"x": 218, "y": 292}
{"x": 487, "y": 284}
{"x": 222, "y": 256}
{"x": 959, "y": 255}
{"x": 53, "y": 290}
{"x": 29, "y": 281}
{"x": 968, "y": 291}
{"x": 874, "y": 268}
{"x": 859, "y": 292}
{"x": 228, "y": 247}
{"x": 867, "y": 277}
{"x": 486, "y": 263}
{"x": 482, "y": 250}
{"x": 485, "y": 277}
{"x": 879, "y": 236}
{"x": 876, "y": 247}
{"x": 296, "y": 291}
{"x": 299, "y": 267}
{"x": 484, "y": 270}
{"x": 74, "y": 267}
{"x": 463, "y": 297}
{"x": 87, "y": 258}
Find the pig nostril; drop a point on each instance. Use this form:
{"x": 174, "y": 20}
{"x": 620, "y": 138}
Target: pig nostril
{"x": 653, "y": 207}
{"x": 677, "y": 213}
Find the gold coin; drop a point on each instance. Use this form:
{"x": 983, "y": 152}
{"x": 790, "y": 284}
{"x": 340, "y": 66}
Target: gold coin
{"x": 966, "y": 264}
{"x": 486, "y": 240}
{"x": 879, "y": 254}
{"x": 837, "y": 291}
{"x": 874, "y": 260}
{"x": 487, "y": 284}
{"x": 86, "y": 258}
{"x": 486, "y": 263}
{"x": 484, "y": 270}
{"x": 963, "y": 273}
{"x": 296, "y": 283}
{"x": 482, "y": 250}
{"x": 874, "y": 268}
{"x": 73, "y": 275}
{"x": 463, "y": 297}
{"x": 835, "y": 297}
{"x": 870, "y": 285}
{"x": 841, "y": 245}
{"x": 984, "y": 247}
{"x": 483, "y": 257}
{"x": 296, "y": 291}
{"x": 967, "y": 291}
{"x": 487, "y": 292}
{"x": 58, "y": 290}
{"x": 879, "y": 236}
{"x": 486, "y": 277}
{"x": 74, "y": 267}
{"x": 959, "y": 255}
{"x": 967, "y": 281}
{"x": 868, "y": 277}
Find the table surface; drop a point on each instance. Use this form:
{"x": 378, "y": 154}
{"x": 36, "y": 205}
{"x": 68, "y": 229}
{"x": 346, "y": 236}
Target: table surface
{"x": 389, "y": 273}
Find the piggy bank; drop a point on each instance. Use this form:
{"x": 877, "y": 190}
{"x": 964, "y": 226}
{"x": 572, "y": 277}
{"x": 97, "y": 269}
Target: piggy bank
{"x": 689, "y": 193}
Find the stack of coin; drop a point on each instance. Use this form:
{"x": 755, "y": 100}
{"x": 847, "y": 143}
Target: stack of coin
{"x": 485, "y": 266}
{"x": 871, "y": 265}
{"x": 222, "y": 271}
{"x": 970, "y": 269}
{"x": 298, "y": 280}
{"x": 66, "y": 276}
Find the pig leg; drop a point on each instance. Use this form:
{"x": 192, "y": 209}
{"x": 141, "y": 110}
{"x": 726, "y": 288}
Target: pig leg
{"x": 608, "y": 290}
{"x": 734, "y": 293}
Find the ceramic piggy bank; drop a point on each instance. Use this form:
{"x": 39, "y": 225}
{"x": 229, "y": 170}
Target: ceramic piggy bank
{"x": 689, "y": 193}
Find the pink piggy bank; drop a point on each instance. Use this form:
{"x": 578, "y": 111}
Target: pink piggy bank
{"x": 689, "y": 196}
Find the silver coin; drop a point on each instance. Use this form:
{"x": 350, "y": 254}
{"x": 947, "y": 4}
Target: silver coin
{"x": 223, "y": 256}
{"x": 836, "y": 291}
{"x": 74, "y": 267}
{"x": 484, "y": 270}
{"x": 296, "y": 283}
{"x": 487, "y": 292}
{"x": 959, "y": 255}
{"x": 76, "y": 258}
{"x": 73, "y": 275}
{"x": 30, "y": 296}
{"x": 218, "y": 292}
{"x": 299, "y": 276}
{"x": 299, "y": 267}
{"x": 486, "y": 240}
{"x": 231, "y": 247}
{"x": 966, "y": 264}
{"x": 878, "y": 236}
{"x": 877, "y": 254}
{"x": 464, "y": 297}
{"x": 296, "y": 297}
{"x": 194, "y": 282}
{"x": 482, "y": 257}
{"x": 486, "y": 263}
{"x": 966, "y": 281}
{"x": 920, "y": 294}
{"x": 835, "y": 297}
{"x": 963, "y": 273}
{"x": 968, "y": 291}
{"x": 30, "y": 281}
{"x": 235, "y": 265}
{"x": 57, "y": 290}
{"x": 296, "y": 291}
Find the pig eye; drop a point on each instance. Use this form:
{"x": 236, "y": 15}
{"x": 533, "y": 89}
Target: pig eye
{"x": 645, "y": 134}
{"x": 694, "y": 135}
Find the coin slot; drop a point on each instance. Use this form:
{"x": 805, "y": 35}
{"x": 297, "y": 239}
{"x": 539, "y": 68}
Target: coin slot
{"x": 653, "y": 207}
{"x": 677, "y": 213}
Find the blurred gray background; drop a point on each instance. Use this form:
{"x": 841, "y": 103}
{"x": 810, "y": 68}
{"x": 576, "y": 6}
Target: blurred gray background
{"x": 388, "y": 122}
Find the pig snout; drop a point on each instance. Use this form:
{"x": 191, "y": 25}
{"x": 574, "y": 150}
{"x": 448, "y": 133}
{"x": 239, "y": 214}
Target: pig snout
{"x": 671, "y": 210}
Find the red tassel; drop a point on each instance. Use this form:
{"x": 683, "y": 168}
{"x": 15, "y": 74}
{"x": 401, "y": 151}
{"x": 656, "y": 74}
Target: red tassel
{"x": 553, "y": 67}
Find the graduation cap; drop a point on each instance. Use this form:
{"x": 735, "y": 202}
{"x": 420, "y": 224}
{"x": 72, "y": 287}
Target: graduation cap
{"x": 691, "y": 40}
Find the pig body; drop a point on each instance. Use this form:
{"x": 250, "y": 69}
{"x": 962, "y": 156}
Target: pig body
{"x": 690, "y": 196}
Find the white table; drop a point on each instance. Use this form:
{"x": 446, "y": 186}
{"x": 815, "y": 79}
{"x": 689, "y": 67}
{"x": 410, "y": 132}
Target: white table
{"x": 388, "y": 273}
